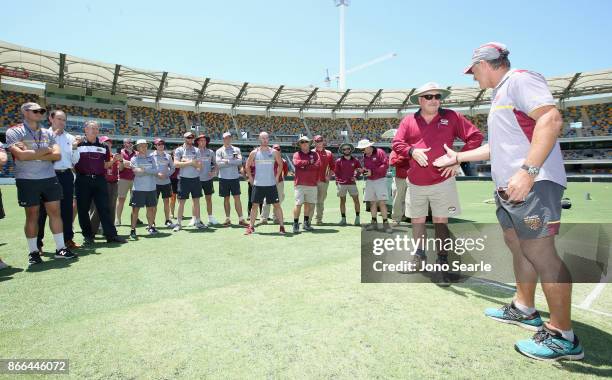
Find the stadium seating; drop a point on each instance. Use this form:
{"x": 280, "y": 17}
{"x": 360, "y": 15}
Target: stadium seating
{"x": 10, "y": 103}
{"x": 116, "y": 118}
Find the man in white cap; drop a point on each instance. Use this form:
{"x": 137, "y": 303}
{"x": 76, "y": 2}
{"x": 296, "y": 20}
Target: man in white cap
{"x": 34, "y": 149}
{"x": 375, "y": 165}
{"x": 325, "y": 171}
{"x": 307, "y": 167}
{"x": 420, "y": 136}
{"x": 527, "y": 168}
{"x": 229, "y": 161}
{"x": 187, "y": 160}
{"x": 144, "y": 187}
{"x": 346, "y": 169}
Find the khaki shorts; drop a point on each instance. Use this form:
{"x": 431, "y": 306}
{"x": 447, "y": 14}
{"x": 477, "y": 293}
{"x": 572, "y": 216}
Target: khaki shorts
{"x": 441, "y": 197}
{"x": 124, "y": 186}
{"x": 376, "y": 190}
{"x": 343, "y": 189}
{"x": 305, "y": 194}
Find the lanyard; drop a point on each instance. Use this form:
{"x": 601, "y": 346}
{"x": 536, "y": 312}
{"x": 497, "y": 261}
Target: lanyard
{"x": 37, "y": 141}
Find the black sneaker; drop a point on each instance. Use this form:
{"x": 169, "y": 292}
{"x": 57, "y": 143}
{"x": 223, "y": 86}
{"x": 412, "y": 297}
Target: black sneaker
{"x": 440, "y": 277}
{"x": 139, "y": 222}
{"x": 307, "y": 226}
{"x": 116, "y": 239}
{"x": 133, "y": 234}
{"x": 152, "y": 230}
{"x": 296, "y": 228}
{"x": 64, "y": 253}
{"x": 88, "y": 241}
{"x": 34, "y": 258}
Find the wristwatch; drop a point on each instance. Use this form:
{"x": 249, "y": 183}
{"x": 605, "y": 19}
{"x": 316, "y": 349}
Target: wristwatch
{"x": 531, "y": 170}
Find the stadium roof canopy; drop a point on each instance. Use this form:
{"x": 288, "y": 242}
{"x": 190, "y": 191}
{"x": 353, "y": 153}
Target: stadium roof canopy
{"x": 65, "y": 70}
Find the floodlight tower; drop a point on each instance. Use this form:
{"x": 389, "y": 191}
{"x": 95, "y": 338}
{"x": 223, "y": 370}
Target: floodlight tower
{"x": 342, "y": 4}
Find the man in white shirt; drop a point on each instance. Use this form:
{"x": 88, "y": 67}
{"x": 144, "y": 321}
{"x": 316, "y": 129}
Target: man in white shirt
{"x": 63, "y": 170}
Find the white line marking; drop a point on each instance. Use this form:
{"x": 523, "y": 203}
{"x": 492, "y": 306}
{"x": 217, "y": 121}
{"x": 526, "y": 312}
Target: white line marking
{"x": 588, "y": 301}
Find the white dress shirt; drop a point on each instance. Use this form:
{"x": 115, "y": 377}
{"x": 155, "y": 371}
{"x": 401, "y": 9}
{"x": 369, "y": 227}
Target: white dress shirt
{"x": 69, "y": 156}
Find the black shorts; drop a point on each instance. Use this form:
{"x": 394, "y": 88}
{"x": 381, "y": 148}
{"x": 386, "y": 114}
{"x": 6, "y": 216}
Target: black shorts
{"x": 538, "y": 216}
{"x": 207, "y": 187}
{"x": 188, "y": 186}
{"x": 164, "y": 190}
{"x": 229, "y": 187}
{"x": 269, "y": 193}
{"x": 33, "y": 192}
{"x": 143, "y": 198}
{"x": 174, "y": 184}
{"x": 2, "y": 214}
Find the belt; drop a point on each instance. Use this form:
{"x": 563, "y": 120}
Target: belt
{"x": 91, "y": 175}
{"x": 62, "y": 170}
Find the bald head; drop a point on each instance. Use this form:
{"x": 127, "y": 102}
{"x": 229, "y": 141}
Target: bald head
{"x": 264, "y": 138}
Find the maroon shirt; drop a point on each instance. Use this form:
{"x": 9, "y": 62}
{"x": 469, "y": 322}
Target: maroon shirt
{"x": 127, "y": 173}
{"x": 285, "y": 170}
{"x": 327, "y": 161}
{"x": 344, "y": 170}
{"x": 415, "y": 132}
{"x": 112, "y": 173}
{"x": 377, "y": 162}
{"x": 401, "y": 163}
{"x": 93, "y": 156}
{"x": 307, "y": 166}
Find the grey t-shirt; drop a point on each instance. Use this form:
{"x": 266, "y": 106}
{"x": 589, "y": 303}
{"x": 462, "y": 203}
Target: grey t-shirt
{"x": 188, "y": 153}
{"x": 42, "y": 138}
{"x": 208, "y": 158}
{"x": 264, "y": 167}
{"x": 165, "y": 165}
{"x": 144, "y": 181}
{"x": 229, "y": 160}
{"x": 519, "y": 93}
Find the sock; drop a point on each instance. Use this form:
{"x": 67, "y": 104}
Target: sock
{"x": 569, "y": 335}
{"x": 357, "y": 213}
{"x": 32, "y": 246}
{"x": 343, "y": 215}
{"x": 59, "y": 241}
{"x": 306, "y": 219}
{"x": 524, "y": 309}
{"x": 295, "y": 220}
{"x": 385, "y": 220}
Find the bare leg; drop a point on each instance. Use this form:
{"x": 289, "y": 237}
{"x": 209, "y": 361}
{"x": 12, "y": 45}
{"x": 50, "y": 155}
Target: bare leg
{"x": 524, "y": 272}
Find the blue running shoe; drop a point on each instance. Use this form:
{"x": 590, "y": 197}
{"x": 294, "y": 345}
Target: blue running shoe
{"x": 549, "y": 345}
{"x": 510, "y": 314}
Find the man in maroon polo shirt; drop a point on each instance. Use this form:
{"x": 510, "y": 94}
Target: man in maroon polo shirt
{"x": 400, "y": 187}
{"x": 126, "y": 177}
{"x": 375, "y": 165}
{"x": 112, "y": 177}
{"x": 422, "y": 137}
{"x": 307, "y": 167}
{"x": 325, "y": 170}
{"x": 346, "y": 169}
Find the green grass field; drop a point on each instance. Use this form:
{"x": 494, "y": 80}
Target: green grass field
{"x": 217, "y": 304}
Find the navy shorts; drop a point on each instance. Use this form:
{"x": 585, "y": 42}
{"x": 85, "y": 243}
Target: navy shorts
{"x": 143, "y": 198}
{"x": 174, "y": 184}
{"x": 229, "y": 187}
{"x": 164, "y": 190}
{"x": 538, "y": 216}
{"x": 207, "y": 187}
{"x": 189, "y": 186}
{"x": 33, "y": 192}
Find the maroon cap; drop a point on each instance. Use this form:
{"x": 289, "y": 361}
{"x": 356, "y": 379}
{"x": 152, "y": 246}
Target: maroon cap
{"x": 157, "y": 141}
{"x": 318, "y": 138}
{"x": 103, "y": 139}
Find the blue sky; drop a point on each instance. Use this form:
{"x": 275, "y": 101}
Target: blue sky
{"x": 293, "y": 42}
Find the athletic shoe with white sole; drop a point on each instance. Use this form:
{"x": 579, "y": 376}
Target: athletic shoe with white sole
{"x": 152, "y": 230}
{"x": 34, "y": 258}
{"x": 212, "y": 221}
{"x": 64, "y": 253}
{"x": 3, "y": 265}
{"x": 550, "y": 345}
{"x": 177, "y": 227}
{"x": 200, "y": 226}
{"x": 510, "y": 314}
{"x": 192, "y": 222}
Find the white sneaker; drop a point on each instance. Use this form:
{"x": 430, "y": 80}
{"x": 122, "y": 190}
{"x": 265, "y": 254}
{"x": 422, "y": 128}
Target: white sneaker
{"x": 192, "y": 222}
{"x": 177, "y": 228}
{"x": 212, "y": 220}
{"x": 3, "y": 265}
{"x": 199, "y": 225}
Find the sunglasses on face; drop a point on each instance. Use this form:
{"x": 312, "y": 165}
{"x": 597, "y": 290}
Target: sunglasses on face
{"x": 346, "y": 150}
{"x": 429, "y": 96}
{"x": 41, "y": 111}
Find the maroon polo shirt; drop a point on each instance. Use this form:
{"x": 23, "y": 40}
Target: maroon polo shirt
{"x": 377, "y": 163}
{"x": 127, "y": 173}
{"x": 327, "y": 161}
{"x": 401, "y": 164}
{"x": 93, "y": 156}
{"x": 307, "y": 166}
{"x": 444, "y": 128}
{"x": 344, "y": 170}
